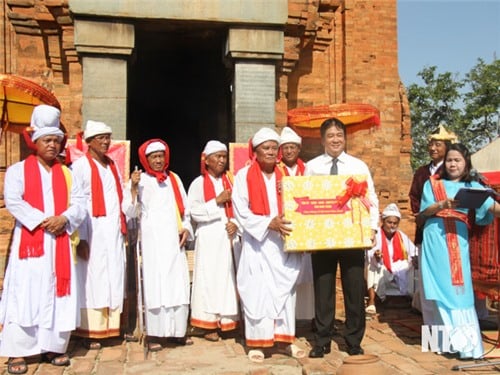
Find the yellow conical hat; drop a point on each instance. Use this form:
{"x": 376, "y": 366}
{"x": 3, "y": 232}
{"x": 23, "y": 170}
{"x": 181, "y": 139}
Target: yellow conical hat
{"x": 443, "y": 135}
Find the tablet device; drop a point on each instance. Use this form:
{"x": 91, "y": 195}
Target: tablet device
{"x": 472, "y": 197}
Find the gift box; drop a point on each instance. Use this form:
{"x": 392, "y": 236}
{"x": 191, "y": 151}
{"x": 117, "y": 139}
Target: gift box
{"x": 327, "y": 212}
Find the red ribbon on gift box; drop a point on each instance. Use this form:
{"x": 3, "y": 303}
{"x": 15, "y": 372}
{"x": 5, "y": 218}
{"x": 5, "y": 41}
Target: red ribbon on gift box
{"x": 355, "y": 189}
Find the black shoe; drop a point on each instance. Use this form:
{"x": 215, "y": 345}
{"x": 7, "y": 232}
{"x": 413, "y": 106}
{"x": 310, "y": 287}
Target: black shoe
{"x": 320, "y": 351}
{"x": 355, "y": 351}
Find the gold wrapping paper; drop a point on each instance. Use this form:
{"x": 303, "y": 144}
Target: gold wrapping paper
{"x": 327, "y": 212}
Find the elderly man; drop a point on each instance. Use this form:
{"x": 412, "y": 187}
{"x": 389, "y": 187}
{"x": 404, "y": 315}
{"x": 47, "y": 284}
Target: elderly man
{"x": 290, "y": 145}
{"x": 266, "y": 274}
{"x": 101, "y": 252}
{"x": 389, "y": 262}
{"x": 214, "y": 302}
{"x": 157, "y": 197}
{"x": 38, "y": 309}
{"x": 292, "y": 165}
{"x": 438, "y": 143}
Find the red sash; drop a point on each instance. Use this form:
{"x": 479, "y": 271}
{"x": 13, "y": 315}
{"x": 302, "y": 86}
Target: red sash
{"x": 257, "y": 193}
{"x": 449, "y": 216}
{"x": 98, "y": 204}
{"x": 161, "y": 176}
{"x": 398, "y": 250}
{"x": 31, "y": 244}
{"x": 301, "y": 167}
{"x": 209, "y": 190}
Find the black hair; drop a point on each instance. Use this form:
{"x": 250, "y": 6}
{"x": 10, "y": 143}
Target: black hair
{"x": 468, "y": 163}
{"x": 327, "y": 124}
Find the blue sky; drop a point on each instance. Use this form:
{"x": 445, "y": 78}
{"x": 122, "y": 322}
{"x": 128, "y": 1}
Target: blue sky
{"x": 450, "y": 34}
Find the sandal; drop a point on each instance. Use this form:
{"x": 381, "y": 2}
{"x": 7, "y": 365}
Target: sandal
{"x": 256, "y": 356}
{"x": 17, "y": 366}
{"x": 294, "y": 351}
{"x": 212, "y": 336}
{"x": 92, "y": 345}
{"x": 180, "y": 340}
{"x": 129, "y": 337}
{"x": 56, "y": 359}
{"x": 154, "y": 347}
{"x": 371, "y": 309}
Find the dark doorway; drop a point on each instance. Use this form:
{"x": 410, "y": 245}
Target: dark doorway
{"x": 179, "y": 91}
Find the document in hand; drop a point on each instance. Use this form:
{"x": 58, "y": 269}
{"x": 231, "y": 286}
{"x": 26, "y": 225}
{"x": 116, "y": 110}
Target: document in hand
{"x": 473, "y": 197}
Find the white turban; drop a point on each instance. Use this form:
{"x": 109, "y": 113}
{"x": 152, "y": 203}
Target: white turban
{"x": 391, "y": 210}
{"x": 45, "y": 121}
{"x": 94, "y": 128}
{"x": 263, "y": 135}
{"x": 155, "y": 147}
{"x": 289, "y": 136}
{"x": 214, "y": 146}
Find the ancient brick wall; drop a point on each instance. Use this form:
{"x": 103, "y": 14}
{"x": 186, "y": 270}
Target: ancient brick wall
{"x": 37, "y": 43}
{"x": 336, "y": 51}
{"x": 347, "y": 53}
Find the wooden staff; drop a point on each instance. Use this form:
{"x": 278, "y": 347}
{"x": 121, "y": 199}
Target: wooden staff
{"x": 141, "y": 305}
{"x": 227, "y": 208}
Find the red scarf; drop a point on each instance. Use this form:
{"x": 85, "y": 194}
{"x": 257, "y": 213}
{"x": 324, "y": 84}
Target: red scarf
{"x": 257, "y": 193}
{"x": 209, "y": 190}
{"x": 98, "y": 204}
{"x": 31, "y": 244}
{"x": 301, "y": 167}
{"x": 449, "y": 216}
{"x": 162, "y": 176}
{"x": 398, "y": 250}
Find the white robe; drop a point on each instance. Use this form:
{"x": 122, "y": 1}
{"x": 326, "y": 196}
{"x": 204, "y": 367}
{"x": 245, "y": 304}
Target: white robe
{"x": 305, "y": 286}
{"x": 379, "y": 277}
{"x": 266, "y": 274}
{"x": 165, "y": 268}
{"x": 214, "y": 284}
{"x": 34, "y": 319}
{"x": 102, "y": 277}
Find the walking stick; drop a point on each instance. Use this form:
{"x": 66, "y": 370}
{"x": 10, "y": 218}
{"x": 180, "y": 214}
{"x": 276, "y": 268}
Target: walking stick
{"x": 235, "y": 268}
{"x": 141, "y": 306}
{"x": 227, "y": 209}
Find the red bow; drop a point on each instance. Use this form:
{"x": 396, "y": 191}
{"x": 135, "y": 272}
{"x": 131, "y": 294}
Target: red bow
{"x": 355, "y": 190}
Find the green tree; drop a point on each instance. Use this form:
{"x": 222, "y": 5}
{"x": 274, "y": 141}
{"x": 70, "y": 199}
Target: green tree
{"x": 469, "y": 107}
{"x": 482, "y": 104}
{"x": 434, "y": 102}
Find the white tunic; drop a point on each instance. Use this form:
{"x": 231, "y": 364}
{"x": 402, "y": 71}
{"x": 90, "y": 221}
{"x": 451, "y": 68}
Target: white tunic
{"x": 102, "y": 277}
{"x": 266, "y": 274}
{"x": 165, "y": 268}
{"x": 214, "y": 284}
{"x": 29, "y": 298}
{"x": 378, "y": 276}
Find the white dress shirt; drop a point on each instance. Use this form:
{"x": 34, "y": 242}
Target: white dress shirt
{"x": 347, "y": 165}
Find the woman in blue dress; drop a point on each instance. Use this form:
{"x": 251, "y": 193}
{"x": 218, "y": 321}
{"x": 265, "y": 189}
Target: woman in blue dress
{"x": 446, "y": 273}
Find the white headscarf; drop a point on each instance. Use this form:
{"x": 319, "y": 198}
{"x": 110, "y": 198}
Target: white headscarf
{"x": 45, "y": 121}
{"x": 289, "y": 136}
{"x": 94, "y": 128}
{"x": 214, "y": 146}
{"x": 263, "y": 135}
{"x": 391, "y": 210}
{"x": 155, "y": 147}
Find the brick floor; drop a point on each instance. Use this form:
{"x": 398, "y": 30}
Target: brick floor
{"x": 396, "y": 345}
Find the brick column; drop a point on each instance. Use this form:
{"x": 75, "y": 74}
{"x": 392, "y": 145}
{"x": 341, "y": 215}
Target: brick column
{"x": 105, "y": 48}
